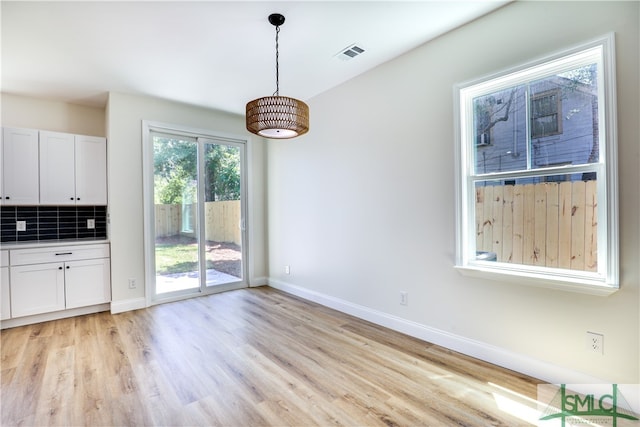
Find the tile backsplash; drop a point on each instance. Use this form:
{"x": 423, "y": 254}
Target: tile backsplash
{"x": 52, "y": 223}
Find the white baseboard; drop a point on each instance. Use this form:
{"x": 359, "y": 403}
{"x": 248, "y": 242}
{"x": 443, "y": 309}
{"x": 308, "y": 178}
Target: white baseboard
{"x": 128, "y": 305}
{"x": 489, "y": 353}
{"x": 258, "y": 281}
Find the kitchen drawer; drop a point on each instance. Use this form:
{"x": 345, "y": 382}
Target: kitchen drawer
{"x": 58, "y": 254}
{"x": 4, "y": 258}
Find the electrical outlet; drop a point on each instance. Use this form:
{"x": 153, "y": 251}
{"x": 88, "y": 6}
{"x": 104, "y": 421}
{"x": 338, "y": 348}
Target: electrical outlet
{"x": 595, "y": 342}
{"x": 404, "y": 298}
{"x": 287, "y": 269}
{"x": 91, "y": 224}
{"x": 133, "y": 284}
{"x": 21, "y": 225}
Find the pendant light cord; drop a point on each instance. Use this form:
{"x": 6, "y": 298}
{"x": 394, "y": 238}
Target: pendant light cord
{"x": 277, "y": 92}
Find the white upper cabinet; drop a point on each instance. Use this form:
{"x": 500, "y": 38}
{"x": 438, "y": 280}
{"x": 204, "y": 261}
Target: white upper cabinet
{"x": 57, "y": 170}
{"x": 19, "y": 151}
{"x": 73, "y": 169}
{"x": 91, "y": 170}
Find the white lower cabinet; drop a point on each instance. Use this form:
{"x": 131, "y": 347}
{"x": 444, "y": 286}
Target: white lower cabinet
{"x": 5, "y": 295}
{"x": 87, "y": 282}
{"x": 79, "y": 277}
{"x": 37, "y": 289}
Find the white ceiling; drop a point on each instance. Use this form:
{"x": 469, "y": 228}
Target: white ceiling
{"x": 209, "y": 53}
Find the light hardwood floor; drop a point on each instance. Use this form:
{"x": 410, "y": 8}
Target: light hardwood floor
{"x": 253, "y": 357}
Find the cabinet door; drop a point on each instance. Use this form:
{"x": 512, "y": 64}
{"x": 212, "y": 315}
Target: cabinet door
{"x": 37, "y": 289}
{"x": 1, "y": 167}
{"x": 91, "y": 170}
{"x": 5, "y": 304}
{"x": 87, "y": 282}
{"x": 57, "y": 169}
{"x": 19, "y": 166}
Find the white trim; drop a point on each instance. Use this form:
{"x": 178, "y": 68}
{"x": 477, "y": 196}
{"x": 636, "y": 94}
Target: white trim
{"x": 209, "y": 290}
{"x": 611, "y": 158}
{"x": 605, "y": 281}
{"x": 148, "y": 213}
{"x": 254, "y": 282}
{"x": 606, "y": 41}
{"x": 249, "y": 214}
{"x": 128, "y": 305}
{"x": 544, "y": 279}
{"x": 198, "y": 135}
{"x": 489, "y": 353}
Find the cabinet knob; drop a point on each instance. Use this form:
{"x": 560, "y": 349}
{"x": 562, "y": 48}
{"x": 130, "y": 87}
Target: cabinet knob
{"x": 59, "y": 268}
{"x": 77, "y": 198}
{"x": 70, "y": 198}
{"x": 7, "y": 197}
{"x": 67, "y": 267}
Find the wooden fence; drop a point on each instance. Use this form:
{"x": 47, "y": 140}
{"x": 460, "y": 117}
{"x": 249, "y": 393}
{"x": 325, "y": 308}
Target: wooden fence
{"x": 222, "y": 221}
{"x": 547, "y": 224}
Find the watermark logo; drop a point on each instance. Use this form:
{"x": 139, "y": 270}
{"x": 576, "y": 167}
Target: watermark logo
{"x": 588, "y": 405}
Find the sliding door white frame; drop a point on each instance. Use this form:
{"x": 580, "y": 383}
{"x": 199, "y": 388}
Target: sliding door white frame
{"x": 202, "y": 136}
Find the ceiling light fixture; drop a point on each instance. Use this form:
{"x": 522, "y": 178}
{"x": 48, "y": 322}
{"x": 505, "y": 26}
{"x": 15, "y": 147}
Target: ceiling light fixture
{"x": 276, "y": 116}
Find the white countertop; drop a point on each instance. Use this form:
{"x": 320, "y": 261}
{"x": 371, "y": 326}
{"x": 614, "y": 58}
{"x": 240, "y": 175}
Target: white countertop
{"x": 49, "y": 243}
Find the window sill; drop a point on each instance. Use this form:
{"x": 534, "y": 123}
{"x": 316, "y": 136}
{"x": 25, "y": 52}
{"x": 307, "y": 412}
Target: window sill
{"x": 557, "y": 281}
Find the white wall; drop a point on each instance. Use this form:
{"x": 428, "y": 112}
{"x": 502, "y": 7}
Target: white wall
{"x": 362, "y": 207}
{"x": 33, "y": 113}
{"x": 125, "y": 114}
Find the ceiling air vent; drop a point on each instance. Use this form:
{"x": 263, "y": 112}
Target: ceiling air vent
{"x": 350, "y": 52}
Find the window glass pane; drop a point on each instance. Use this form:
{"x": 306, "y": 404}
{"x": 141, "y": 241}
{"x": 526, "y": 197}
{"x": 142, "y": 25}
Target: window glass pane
{"x": 222, "y": 213}
{"x": 553, "y": 120}
{"x": 564, "y": 118}
{"x": 175, "y": 204}
{"x": 547, "y": 221}
{"x": 500, "y": 138}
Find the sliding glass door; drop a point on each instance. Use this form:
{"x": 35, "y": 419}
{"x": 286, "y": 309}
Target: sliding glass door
{"x": 175, "y": 193}
{"x": 198, "y": 214}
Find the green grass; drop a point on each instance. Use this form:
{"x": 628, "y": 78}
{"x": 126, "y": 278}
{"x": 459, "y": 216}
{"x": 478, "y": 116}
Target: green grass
{"x": 176, "y": 258}
{"x": 181, "y": 256}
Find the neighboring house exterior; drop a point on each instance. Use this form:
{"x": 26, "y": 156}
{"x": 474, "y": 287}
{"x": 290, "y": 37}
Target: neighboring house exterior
{"x": 562, "y": 122}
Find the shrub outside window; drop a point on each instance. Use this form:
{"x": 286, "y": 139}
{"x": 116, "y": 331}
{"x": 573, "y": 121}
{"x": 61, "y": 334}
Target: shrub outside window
{"x": 536, "y": 178}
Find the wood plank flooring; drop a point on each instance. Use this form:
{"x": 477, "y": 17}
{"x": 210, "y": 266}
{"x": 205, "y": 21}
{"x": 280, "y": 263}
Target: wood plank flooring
{"x": 253, "y": 357}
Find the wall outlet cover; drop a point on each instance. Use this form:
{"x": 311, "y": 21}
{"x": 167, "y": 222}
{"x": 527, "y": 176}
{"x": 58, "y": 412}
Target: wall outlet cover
{"x": 404, "y": 298}
{"x": 595, "y": 342}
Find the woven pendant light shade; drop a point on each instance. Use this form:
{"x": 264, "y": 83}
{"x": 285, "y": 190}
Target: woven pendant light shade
{"x": 277, "y": 117}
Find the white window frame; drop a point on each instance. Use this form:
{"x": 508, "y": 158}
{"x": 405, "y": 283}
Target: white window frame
{"x": 606, "y": 279}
